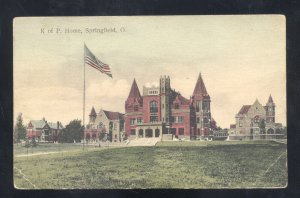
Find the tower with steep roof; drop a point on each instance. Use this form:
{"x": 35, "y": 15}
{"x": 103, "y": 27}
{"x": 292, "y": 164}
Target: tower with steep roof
{"x": 201, "y": 102}
{"x": 134, "y": 100}
{"x": 270, "y": 110}
{"x": 92, "y": 117}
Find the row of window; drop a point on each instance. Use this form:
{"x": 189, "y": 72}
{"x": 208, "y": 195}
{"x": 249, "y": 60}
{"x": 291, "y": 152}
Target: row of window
{"x": 256, "y": 120}
{"x": 153, "y": 107}
{"x": 177, "y": 119}
{"x": 154, "y": 119}
{"x": 153, "y": 92}
{"x": 180, "y": 131}
{"x": 148, "y": 132}
{"x": 205, "y": 120}
{"x": 136, "y": 120}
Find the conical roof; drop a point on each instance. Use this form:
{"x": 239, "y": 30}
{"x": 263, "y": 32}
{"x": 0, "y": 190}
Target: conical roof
{"x": 270, "y": 100}
{"x": 200, "y": 87}
{"x": 93, "y": 112}
{"x": 134, "y": 91}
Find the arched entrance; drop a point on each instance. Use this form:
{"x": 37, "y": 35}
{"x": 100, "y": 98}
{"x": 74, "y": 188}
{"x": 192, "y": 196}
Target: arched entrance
{"x": 156, "y": 132}
{"x": 270, "y": 131}
{"x": 141, "y": 133}
{"x": 149, "y": 133}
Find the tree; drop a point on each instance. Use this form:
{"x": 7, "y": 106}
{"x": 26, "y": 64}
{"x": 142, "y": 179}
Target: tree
{"x": 73, "y": 131}
{"x": 19, "y": 129}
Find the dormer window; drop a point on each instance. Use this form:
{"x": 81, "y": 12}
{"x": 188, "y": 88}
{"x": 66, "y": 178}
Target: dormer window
{"x": 176, "y": 106}
{"x": 136, "y": 108}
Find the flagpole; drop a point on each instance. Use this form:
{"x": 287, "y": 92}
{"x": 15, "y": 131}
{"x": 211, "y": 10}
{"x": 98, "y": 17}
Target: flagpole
{"x": 83, "y": 96}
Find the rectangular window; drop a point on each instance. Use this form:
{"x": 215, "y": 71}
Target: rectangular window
{"x": 198, "y": 120}
{"x": 139, "y": 120}
{"x": 180, "y": 119}
{"x": 132, "y": 121}
{"x": 153, "y": 118}
{"x": 132, "y": 132}
{"x": 198, "y": 105}
{"x": 176, "y": 106}
{"x": 181, "y": 131}
{"x": 115, "y": 126}
{"x": 136, "y": 107}
{"x": 116, "y": 136}
{"x": 173, "y": 119}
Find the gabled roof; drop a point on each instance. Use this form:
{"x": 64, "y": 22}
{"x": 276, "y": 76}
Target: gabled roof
{"x": 113, "y": 115}
{"x": 93, "y": 112}
{"x": 55, "y": 125}
{"x": 38, "y": 123}
{"x": 200, "y": 88}
{"x": 134, "y": 91}
{"x": 244, "y": 109}
{"x": 270, "y": 100}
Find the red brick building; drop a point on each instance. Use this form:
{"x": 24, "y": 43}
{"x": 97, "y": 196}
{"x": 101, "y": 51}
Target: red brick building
{"x": 162, "y": 110}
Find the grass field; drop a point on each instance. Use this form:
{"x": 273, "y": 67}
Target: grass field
{"x": 167, "y": 165}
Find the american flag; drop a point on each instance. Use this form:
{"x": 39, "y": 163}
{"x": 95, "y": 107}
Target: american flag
{"x": 92, "y": 60}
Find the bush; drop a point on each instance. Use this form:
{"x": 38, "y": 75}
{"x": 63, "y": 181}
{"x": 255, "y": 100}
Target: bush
{"x": 27, "y": 143}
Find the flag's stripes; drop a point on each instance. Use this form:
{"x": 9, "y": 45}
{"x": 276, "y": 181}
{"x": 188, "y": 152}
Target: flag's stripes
{"x": 88, "y": 61}
{"x": 100, "y": 69}
{"x": 94, "y": 62}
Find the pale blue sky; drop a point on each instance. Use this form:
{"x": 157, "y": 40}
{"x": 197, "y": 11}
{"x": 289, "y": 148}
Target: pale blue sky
{"x": 241, "y": 58}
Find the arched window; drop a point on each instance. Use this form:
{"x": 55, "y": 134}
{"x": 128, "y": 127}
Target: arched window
{"x": 256, "y": 119}
{"x": 153, "y": 107}
{"x": 149, "y": 133}
{"x": 270, "y": 131}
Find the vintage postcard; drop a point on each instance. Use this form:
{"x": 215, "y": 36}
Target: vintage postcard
{"x": 147, "y": 102}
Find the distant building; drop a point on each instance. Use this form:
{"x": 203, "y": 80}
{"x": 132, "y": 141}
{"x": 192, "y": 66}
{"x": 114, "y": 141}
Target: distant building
{"x": 220, "y": 134}
{"x": 43, "y": 131}
{"x": 105, "y": 125}
{"x": 256, "y": 122}
{"x": 161, "y": 111}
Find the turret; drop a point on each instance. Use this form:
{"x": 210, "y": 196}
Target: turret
{"x": 134, "y": 100}
{"x": 165, "y": 89}
{"x": 270, "y": 110}
{"x": 92, "y": 115}
{"x": 201, "y": 103}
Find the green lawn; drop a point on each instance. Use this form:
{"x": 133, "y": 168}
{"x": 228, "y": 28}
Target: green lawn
{"x": 167, "y": 165}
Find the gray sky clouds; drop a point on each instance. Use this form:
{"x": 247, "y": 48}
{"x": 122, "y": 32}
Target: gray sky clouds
{"x": 241, "y": 58}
